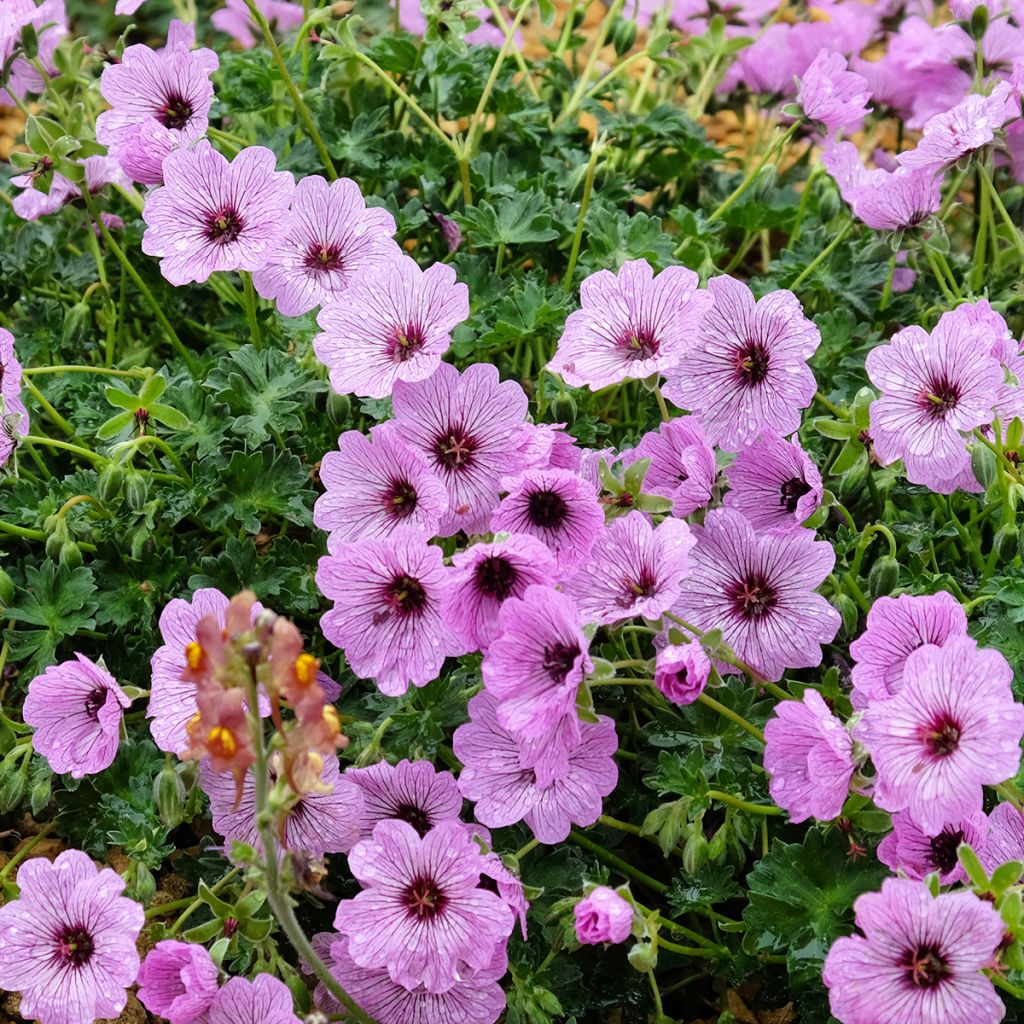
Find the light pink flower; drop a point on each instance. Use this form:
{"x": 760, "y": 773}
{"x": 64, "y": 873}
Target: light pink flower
{"x": 907, "y": 849}
{"x": 681, "y": 672}
{"x": 603, "y": 916}
{"x": 832, "y": 95}
{"x": 177, "y": 980}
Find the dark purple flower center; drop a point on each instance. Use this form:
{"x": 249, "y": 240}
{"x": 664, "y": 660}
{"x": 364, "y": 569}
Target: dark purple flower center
{"x": 645, "y": 585}
{"x": 752, "y": 361}
{"x": 559, "y": 660}
{"x": 400, "y": 499}
{"x": 407, "y": 342}
{"x": 942, "y": 737}
{"x": 639, "y": 343}
{"x": 944, "y": 848}
{"x": 942, "y": 396}
{"x": 224, "y": 226}
{"x": 176, "y": 111}
{"x": 792, "y": 491}
{"x": 917, "y": 217}
{"x": 406, "y": 595}
{"x": 496, "y": 577}
{"x": 322, "y": 258}
{"x": 547, "y": 509}
{"x": 74, "y": 946}
{"x": 415, "y": 816}
{"x": 424, "y": 899}
{"x": 925, "y": 966}
{"x": 454, "y": 449}
{"x": 96, "y": 699}
{"x": 753, "y": 597}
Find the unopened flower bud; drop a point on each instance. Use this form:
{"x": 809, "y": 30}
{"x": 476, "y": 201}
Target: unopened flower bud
{"x": 1005, "y": 542}
{"x": 884, "y": 577}
{"x": 135, "y": 490}
{"x": 6, "y": 589}
{"x": 339, "y": 409}
{"x": 695, "y": 852}
{"x": 76, "y": 321}
{"x": 110, "y": 482}
{"x": 564, "y": 408}
{"x": 624, "y": 36}
{"x": 983, "y": 463}
{"x": 169, "y": 796}
{"x": 848, "y": 612}
{"x": 70, "y": 554}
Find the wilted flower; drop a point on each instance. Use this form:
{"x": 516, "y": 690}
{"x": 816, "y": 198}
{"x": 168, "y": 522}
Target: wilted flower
{"x": 332, "y": 241}
{"x": 422, "y": 915}
{"x": 212, "y": 214}
{"x": 393, "y": 322}
{"x": 952, "y": 728}
{"x": 603, "y": 916}
{"x": 630, "y": 325}
{"x": 67, "y": 943}
{"x": 919, "y": 960}
{"x": 76, "y": 709}
{"x": 747, "y": 371}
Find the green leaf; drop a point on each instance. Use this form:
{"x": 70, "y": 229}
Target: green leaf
{"x": 259, "y": 487}
{"x": 514, "y": 220}
{"x": 679, "y": 775}
{"x": 800, "y": 892}
{"x": 972, "y": 865}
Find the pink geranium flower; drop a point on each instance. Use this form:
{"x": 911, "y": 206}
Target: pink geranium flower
{"x": 681, "y": 672}
{"x": 774, "y": 483}
{"x": 462, "y": 423}
{"x": 682, "y": 464}
{"x": 262, "y": 1000}
{"x": 76, "y": 709}
{"x": 392, "y": 323}
{"x": 896, "y": 627}
{"x": 919, "y": 959}
{"x": 376, "y": 485}
{"x": 484, "y": 577}
{"x": 178, "y": 980}
{"x": 422, "y": 915}
{"x": 387, "y": 609}
{"x": 907, "y": 849}
{"x": 629, "y": 325}
{"x": 235, "y": 19}
{"x": 13, "y": 414}
{"x": 67, "y": 943}
{"x": 809, "y": 758}
{"x": 759, "y": 590}
{"x": 33, "y": 203}
{"x": 832, "y": 95}
{"x": 332, "y": 241}
{"x": 504, "y": 791}
{"x": 633, "y": 570}
{"x": 1004, "y": 838}
{"x": 953, "y": 728}
{"x": 212, "y": 214}
{"x": 748, "y": 371}
{"x": 603, "y": 916}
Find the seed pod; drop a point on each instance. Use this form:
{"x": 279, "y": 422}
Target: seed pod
{"x": 983, "y": 462}
{"x": 624, "y": 36}
{"x": 884, "y": 577}
{"x": 1005, "y": 542}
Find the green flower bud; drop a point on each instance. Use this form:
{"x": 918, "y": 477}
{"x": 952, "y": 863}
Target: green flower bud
{"x": 848, "y": 612}
{"x": 12, "y": 790}
{"x": 624, "y": 36}
{"x": 983, "y": 462}
{"x": 643, "y": 957}
{"x": 29, "y": 41}
{"x": 135, "y": 490}
{"x": 6, "y": 589}
{"x": 54, "y": 543}
{"x": 1005, "y": 542}
{"x": 695, "y": 852}
{"x": 169, "y": 796}
{"x": 339, "y": 409}
{"x": 76, "y": 323}
{"x": 110, "y": 482}
{"x": 70, "y": 554}
{"x": 979, "y": 21}
{"x": 143, "y": 884}
{"x": 884, "y": 577}
{"x": 564, "y": 408}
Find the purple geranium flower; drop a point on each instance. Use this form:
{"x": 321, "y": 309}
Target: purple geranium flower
{"x": 958, "y": 132}
{"x": 475, "y": 998}
{"x": 953, "y": 728}
{"x": 919, "y": 960}
{"x": 321, "y": 822}
{"x": 172, "y": 700}
{"x": 411, "y": 791}
{"x": 603, "y": 916}
{"x": 387, "y": 609}
{"x": 50, "y": 22}
{"x": 67, "y": 943}
{"x": 934, "y": 388}
{"x": 634, "y": 569}
{"x": 748, "y": 371}
{"x": 809, "y": 758}
{"x": 759, "y": 590}
{"x": 557, "y": 507}
{"x": 535, "y": 666}
{"x": 422, "y": 915}
{"x": 484, "y": 576}
{"x": 681, "y": 672}
{"x": 774, "y": 483}
{"x": 235, "y": 19}
{"x": 393, "y": 323}
{"x": 212, "y": 214}
{"x": 332, "y": 241}
{"x": 13, "y": 414}
{"x": 377, "y": 485}
{"x": 263, "y": 1000}
{"x": 76, "y": 708}
{"x": 629, "y": 325}
{"x": 462, "y": 423}
{"x": 1004, "y": 839}
{"x": 177, "y": 980}
{"x": 682, "y": 464}
{"x": 100, "y": 171}
{"x": 896, "y": 627}
{"x": 906, "y": 848}
{"x": 832, "y": 95}
{"x": 160, "y": 101}
{"x": 505, "y": 792}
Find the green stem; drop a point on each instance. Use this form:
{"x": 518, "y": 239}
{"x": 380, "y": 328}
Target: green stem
{"x": 743, "y": 805}
{"x": 732, "y": 716}
{"x": 609, "y": 858}
{"x": 250, "y": 309}
{"x": 621, "y": 826}
{"x": 595, "y": 51}
{"x": 27, "y": 848}
{"x": 139, "y": 374}
{"x": 598, "y": 147}
{"x": 96, "y": 460}
{"x": 190, "y": 905}
{"x": 686, "y": 951}
{"x": 65, "y": 426}
{"x": 1015, "y": 234}
{"x": 135, "y": 442}
{"x": 172, "y": 335}
{"x": 823, "y": 255}
{"x": 752, "y": 175}
{"x": 300, "y": 104}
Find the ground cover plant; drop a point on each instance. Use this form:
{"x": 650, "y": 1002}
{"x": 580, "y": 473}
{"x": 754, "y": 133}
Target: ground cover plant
{"x": 511, "y": 513}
